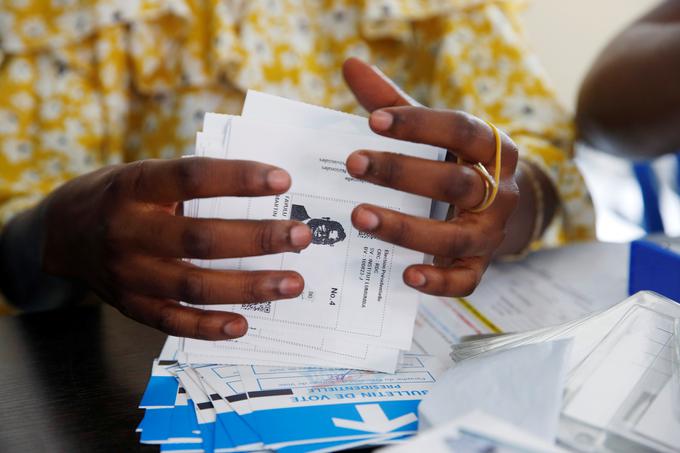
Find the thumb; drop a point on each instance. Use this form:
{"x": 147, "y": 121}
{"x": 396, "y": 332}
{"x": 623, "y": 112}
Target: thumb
{"x": 373, "y": 89}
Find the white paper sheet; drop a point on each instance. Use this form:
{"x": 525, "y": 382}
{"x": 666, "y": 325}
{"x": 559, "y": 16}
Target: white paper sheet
{"x": 522, "y": 386}
{"x": 549, "y": 287}
{"x": 476, "y": 432}
{"x": 349, "y": 293}
{"x": 298, "y": 347}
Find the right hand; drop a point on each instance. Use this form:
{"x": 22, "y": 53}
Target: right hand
{"x": 118, "y": 230}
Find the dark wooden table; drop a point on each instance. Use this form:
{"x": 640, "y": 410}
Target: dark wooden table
{"x": 71, "y": 380}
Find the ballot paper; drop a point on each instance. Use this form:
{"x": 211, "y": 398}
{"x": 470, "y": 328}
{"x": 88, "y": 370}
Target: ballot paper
{"x": 355, "y": 310}
{"x": 343, "y": 403}
{"x": 228, "y": 408}
{"x": 295, "y": 381}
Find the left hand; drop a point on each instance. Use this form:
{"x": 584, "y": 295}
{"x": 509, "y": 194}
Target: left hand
{"x": 465, "y": 243}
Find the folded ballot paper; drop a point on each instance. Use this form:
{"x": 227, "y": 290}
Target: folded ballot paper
{"x": 355, "y": 311}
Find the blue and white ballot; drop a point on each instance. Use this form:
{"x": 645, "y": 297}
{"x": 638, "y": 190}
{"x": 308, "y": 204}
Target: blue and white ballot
{"x": 355, "y": 310}
{"x": 336, "y": 404}
{"x": 227, "y": 408}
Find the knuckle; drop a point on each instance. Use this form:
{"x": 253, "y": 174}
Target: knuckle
{"x": 137, "y": 177}
{"x": 465, "y": 130}
{"x": 114, "y": 234}
{"x": 409, "y": 123}
{"x": 249, "y": 289}
{"x": 168, "y": 321}
{"x": 452, "y": 245}
{"x": 400, "y": 232}
{"x": 264, "y": 237}
{"x": 194, "y": 287}
{"x": 154, "y": 229}
{"x": 458, "y": 185}
{"x": 190, "y": 176}
{"x": 250, "y": 180}
{"x": 198, "y": 243}
{"x": 201, "y": 327}
{"x": 387, "y": 168}
{"x": 401, "y": 125}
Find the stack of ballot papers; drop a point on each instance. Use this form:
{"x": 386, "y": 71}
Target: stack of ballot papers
{"x": 622, "y": 387}
{"x": 228, "y": 408}
{"x": 335, "y": 367}
{"x": 355, "y": 310}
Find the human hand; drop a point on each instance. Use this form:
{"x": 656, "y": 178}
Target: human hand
{"x": 118, "y": 231}
{"x": 464, "y": 244}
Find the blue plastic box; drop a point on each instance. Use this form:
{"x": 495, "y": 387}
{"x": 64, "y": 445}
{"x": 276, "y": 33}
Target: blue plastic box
{"x": 655, "y": 266}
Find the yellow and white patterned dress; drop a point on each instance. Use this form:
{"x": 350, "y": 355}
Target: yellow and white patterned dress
{"x": 86, "y": 83}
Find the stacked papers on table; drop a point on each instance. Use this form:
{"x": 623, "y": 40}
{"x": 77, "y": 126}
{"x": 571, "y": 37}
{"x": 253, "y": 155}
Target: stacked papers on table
{"x": 476, "y": 432}
{"x": 355, "y": 310}
{"x": 623, "y": 375}
{"x": 225, "y": 408}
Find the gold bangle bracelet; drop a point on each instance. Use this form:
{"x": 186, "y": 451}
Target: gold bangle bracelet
{"x": 539, "y": 217}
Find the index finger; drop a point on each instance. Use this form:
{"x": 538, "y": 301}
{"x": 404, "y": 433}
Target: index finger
{"x": 372, "y": 88}
{"x": 168, "y": 181}
{"x": 465, "y": 135}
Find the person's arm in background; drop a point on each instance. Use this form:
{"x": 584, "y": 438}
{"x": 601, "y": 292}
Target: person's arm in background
{"x": 629, "y": 103}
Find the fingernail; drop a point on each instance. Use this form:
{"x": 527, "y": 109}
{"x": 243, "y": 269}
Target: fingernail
{"x": 358, "y": 163}
{"x": 366, "y": 220}
{"x": 290, "y": 286}
{"x": 236, "y": 328}
{"x": 300, "y": 236}
{"x": 415, "y": 279}
{"x": 278, "y": 180}
{"x": 381, "y": 120}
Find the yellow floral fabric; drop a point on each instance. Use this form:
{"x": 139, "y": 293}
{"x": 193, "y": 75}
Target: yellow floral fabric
{"x": 86, "y": 83}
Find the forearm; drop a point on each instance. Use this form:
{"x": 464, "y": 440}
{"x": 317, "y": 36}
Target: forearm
{"x": 629, "y": 103}
{"x": 22, "y": 280}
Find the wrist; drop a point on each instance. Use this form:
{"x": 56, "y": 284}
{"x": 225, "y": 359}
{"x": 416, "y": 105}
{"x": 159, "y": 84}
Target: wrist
{"x": 534, "y": 213}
